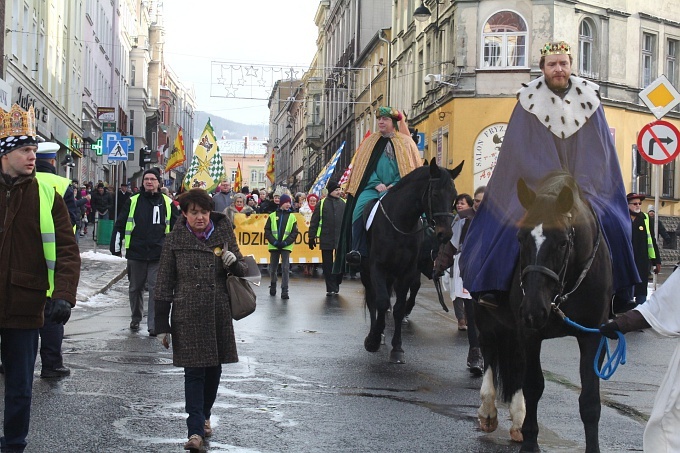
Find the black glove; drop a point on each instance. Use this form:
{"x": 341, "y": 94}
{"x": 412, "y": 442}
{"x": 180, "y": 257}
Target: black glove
{"x": 57, "y": 311}
{"x": 312, "y": 243}
{"x": 610, "y": 330}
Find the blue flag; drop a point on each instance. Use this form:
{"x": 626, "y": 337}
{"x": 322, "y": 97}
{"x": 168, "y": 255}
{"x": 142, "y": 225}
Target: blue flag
{"x": 326, "y": 172}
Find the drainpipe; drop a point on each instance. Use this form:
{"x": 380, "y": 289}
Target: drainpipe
{"x": 389, "y": 61}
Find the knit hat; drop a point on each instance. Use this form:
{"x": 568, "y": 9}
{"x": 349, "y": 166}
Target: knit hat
{"x": 154, "y": 172}
{"x": 650, "y": 208}
{"x": 285, "y": 198}
{"x": 332, "y": 185}
{"x": 313, "y": 195}
{"x": 47, "y": 150}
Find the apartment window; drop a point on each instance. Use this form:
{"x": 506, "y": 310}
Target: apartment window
{"x": 133, "y": 72}
{"x": 504, "y": 41}
{"x": 233, "y": 176}
{"x": 672, "y": 61}
{"x": 648, "y": 52}
{"x": 585, "y": 44}
{"x": 645, "y": 178}
{"x": 132, "y": 122}
{"x": 668, "y": 180}
{"x": 253, "y": 176}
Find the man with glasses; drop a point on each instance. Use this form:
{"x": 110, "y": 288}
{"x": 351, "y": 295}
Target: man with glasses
{"x": 645, "y": 252}
{"x": 224, "y": 197}
{"x": 143, "y": 222}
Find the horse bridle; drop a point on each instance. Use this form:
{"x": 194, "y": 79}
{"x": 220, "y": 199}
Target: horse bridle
{"x": 561, "y": 297}
{"x": 428, "y": 216}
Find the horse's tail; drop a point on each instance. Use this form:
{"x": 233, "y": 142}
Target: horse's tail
{"x": 507, "y": 363}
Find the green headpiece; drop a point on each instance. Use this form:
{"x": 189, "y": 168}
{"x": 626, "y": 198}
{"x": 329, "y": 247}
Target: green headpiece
{"x": 389, "y": 112}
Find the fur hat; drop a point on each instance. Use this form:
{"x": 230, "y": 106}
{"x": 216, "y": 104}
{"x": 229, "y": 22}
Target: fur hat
{"x": 285, "y": 198}
{"x": 332, "y": 185}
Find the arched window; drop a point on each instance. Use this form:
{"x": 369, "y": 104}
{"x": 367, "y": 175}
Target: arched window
{"x": 504, "y": 41}
{"x": 586, "y": 38}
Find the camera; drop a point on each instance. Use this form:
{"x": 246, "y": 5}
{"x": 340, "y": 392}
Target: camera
{"x": 432, "y": 78}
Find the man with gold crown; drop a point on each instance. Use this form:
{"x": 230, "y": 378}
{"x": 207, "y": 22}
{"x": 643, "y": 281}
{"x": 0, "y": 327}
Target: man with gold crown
{"x": 557, "y": 124}
{"x": 381, "y": 161}
{"x": 40, "y": 264}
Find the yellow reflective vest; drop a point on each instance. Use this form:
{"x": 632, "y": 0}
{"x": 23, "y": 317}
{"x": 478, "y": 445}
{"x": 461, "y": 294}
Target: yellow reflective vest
{"x": 130, "y": 224}
{"x": 46, "y": 196}
{"x": 59, "y": 183}
{"x": 274, "y": 219}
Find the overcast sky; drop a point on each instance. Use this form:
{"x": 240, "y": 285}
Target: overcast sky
{"x": 266, "y": 36}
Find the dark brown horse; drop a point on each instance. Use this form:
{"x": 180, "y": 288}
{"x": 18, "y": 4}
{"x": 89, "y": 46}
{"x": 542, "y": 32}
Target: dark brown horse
{"x": 394, "y": 241}
{"x": 564, "y": 267}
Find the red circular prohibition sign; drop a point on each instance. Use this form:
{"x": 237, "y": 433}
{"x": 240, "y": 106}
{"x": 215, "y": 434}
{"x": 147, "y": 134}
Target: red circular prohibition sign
{"x": 659, "y": 142}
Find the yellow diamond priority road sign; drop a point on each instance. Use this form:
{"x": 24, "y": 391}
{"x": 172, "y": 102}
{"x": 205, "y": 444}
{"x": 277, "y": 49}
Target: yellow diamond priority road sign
{"x": 660, "y": 97}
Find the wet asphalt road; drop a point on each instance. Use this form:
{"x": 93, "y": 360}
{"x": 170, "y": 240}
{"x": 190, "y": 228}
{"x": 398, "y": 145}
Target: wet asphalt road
{"x": 304, "y": 383}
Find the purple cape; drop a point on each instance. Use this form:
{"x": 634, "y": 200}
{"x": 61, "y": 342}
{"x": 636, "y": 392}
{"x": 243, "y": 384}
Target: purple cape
{"x": 531, "y": 151}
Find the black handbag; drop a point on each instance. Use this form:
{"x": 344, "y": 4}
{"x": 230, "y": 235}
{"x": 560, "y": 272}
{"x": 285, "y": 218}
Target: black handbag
{"x": 241, "y": 297}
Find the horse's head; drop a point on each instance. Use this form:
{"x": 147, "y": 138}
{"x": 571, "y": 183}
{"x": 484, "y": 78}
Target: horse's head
{"x": 546, "y": 238}
{"x": 439, "y": 198}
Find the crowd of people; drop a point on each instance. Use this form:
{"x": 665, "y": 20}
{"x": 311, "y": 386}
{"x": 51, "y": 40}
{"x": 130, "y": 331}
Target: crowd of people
{"x": 180, "y": 249}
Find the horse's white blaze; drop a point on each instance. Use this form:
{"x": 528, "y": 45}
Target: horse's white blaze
{"x": 518, "y": 410}
{"x": 538, "y": 236}
{"x": 488, "y": 395}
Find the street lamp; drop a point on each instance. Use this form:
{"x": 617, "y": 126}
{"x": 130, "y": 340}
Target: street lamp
{"x": 422, "y": 13}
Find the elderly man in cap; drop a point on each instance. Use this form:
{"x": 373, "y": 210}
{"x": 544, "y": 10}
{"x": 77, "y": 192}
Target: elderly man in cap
{"x": 558, "y": 124}
{"x": 40, "y": 264}
{"x": 645, "y": 251}
{"x": 143, "y": 222}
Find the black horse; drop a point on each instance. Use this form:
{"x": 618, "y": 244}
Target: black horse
{"x": 564, "y": 268}
{"x": 394, "y": 241}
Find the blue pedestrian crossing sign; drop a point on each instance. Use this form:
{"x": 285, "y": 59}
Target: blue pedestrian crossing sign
{"x": 118, "y": 151}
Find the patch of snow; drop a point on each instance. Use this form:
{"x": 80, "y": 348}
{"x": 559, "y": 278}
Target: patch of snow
{"x": 101, "y": 256}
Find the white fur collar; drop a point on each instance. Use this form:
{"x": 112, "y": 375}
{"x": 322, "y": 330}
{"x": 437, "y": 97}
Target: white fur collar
{"x": 562, "y": 117}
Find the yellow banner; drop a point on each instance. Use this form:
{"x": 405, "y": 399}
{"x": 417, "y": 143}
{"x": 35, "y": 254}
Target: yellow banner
{"x": 249, "y": 232}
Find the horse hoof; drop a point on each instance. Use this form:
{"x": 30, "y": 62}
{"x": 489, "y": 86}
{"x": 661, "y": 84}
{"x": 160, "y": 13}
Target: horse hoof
{"x": 371, "y": 344}
{"x": 516, "y": 435}
{"x": 397, "y": 357}
{"x": 488, "y": 424}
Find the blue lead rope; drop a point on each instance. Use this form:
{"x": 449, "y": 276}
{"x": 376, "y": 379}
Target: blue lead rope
{"x": 612, "y": 359}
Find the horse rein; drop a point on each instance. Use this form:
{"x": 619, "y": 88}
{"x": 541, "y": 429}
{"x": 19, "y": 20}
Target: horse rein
{"x": 430, "y": 217}
{"x": 560, "y": 297}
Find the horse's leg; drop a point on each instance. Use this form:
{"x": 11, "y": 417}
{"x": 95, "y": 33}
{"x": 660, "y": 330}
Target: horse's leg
{"x": 533, "y": 387}
{"x": 411, "y": 301}
{"x": 589, "y": 400}
{"x": 399, "y": 311}
{"x": 369, "y": 343}
{"x": 380, "y": 303}
{"x": 487, "y": 412}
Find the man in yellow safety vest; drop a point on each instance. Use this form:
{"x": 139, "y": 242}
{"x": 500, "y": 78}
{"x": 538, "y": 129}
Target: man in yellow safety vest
{"x": 40, "y": 264}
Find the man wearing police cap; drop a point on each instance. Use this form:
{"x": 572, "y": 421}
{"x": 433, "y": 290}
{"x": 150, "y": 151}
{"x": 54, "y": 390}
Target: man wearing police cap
{"x": 40, "y": 264}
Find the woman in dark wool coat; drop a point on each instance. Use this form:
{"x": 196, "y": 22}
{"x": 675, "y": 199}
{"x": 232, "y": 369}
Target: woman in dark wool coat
{"x": 192, "y": 304}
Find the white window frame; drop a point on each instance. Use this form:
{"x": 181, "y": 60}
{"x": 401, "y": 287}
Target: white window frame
{"x": 586, "y": 49}
{"x": 505, "y": 38}
{"x": 647, "y": 58}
